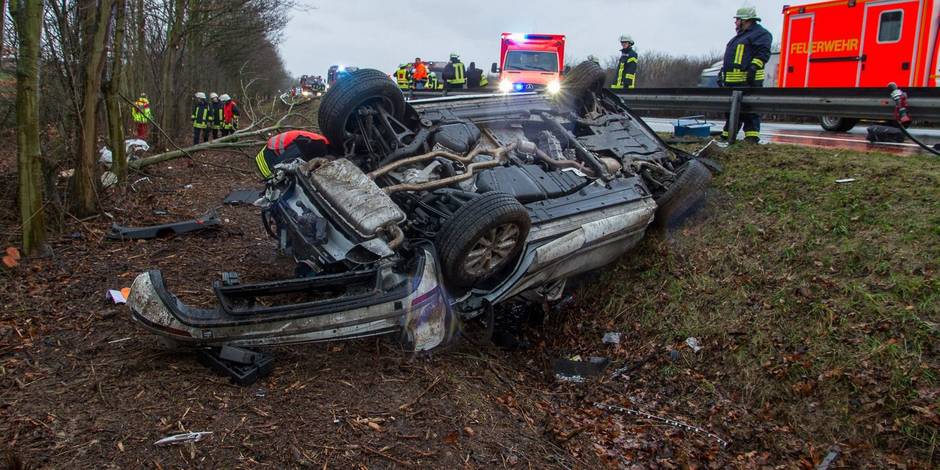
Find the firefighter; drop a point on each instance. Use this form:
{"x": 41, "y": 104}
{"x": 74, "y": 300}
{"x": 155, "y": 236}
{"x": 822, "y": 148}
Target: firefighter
{"x": 288, "y": 146}
{"x": 455, "y": 75}
{"x": 626, "y": 68}
{"x": 475, "y": 77}
{"x": 745, "y": 57}
{"x": 215, "y": 110}
{"x": 202, "y": 118}
{"x": 401, "y": 77}
{"x": 419, "y": 74}
{"x": 229, "y": 115}
{"x": 142, "y": 116}
{"x": 593, "y": 58}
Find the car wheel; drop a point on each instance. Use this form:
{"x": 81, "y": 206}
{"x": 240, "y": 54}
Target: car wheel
{"x": 837, "y": 124}
{"x": 338, "y": 115}
{"x": 482, "y": 239}
{"x": 684, "y": 195}
{"x": 581, "y": 82}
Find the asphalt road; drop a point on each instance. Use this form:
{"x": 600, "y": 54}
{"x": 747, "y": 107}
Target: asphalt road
{"x": 813, "y": 135}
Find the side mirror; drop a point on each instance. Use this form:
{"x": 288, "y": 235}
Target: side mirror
{"x": 494, "y": 68}
{"x": 567, "y": 68}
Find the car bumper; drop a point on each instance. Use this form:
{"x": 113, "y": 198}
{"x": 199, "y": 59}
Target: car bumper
{"x": 350, "y": 305}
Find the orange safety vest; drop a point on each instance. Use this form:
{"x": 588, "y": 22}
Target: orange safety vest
{"x": 279, "y": 142}
{"x": 420, "y": 72}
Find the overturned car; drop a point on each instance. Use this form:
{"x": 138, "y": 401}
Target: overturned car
{"x": 431, "y": 213}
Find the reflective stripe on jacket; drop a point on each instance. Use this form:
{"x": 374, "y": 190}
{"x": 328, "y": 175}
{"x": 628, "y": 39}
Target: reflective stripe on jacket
{"x": 216, "y": 109}
{"x": 455, "y": 73}
{"x": 745, "y": 57}
{"x": 201, "y": 116}
{"x": 626, "y": 70}
{"x": 140, "y": 112}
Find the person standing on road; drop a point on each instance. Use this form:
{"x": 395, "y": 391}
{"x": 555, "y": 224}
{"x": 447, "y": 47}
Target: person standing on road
{"x": 626, "y": 68}
{"x": 745, "y": 57}
{"x": 455, "y": 75}
{"x": 201, "y": 118}
{"x": 475, "y": 77}
{"x": 142, "y": 116}
{"x": 401, "y": 77}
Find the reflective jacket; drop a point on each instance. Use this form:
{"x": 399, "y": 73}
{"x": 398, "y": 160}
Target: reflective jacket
{"x": 455, "y": 73}
{"x": 229, "y": 115}
{"x": 420, "y": 72}
{"x": 745, "y": 57}
{"x": 201, "y": 117}
{"x": 401, "y": 77}
{"x": 140, "y": 112}
{"x": 626, "y": 70}
{"x": 288, "y": 146}
{"x": 215, "y": 109}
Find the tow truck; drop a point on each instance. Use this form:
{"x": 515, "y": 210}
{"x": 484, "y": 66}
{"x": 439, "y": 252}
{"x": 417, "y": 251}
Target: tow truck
{"x": 530, "y": 62}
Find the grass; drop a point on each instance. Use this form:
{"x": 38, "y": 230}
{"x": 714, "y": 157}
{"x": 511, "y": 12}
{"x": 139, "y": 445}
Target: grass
{"x": 819, "y": 300}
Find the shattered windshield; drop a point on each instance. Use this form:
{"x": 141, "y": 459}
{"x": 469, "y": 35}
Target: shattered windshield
{"x": 532, "y": 60}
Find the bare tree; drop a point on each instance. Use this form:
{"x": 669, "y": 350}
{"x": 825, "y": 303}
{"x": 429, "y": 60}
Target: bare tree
{"x": 112, "y": 92}
{"x": 27, "y": 16}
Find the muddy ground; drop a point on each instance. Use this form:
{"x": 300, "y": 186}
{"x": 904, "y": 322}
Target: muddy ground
{"x": 82, "y": 386}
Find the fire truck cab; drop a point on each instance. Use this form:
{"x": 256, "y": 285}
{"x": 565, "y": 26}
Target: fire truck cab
{"x": 529, "y": 62}
{"x": 860, "y": 43}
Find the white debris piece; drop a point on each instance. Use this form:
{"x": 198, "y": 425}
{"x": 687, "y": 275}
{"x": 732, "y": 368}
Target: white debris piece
{"x": 694, "y": 344}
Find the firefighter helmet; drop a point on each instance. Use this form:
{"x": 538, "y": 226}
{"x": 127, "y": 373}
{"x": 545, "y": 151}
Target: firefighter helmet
{"x": 200, "y": 95}
{"x": 213, "y": 95}
{"x": 454, "y": 55}
{"x": 626, "y": 38}
{"x": 747, "y": 13}
{"x": 225, "y": 97}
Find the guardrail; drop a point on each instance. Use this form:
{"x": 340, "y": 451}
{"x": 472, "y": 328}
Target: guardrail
{"x": 861, "y": 103}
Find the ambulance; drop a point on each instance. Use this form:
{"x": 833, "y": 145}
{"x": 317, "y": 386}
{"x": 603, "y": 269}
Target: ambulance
{"x": 860, "y": 43}
{"x": 529, "y": 62}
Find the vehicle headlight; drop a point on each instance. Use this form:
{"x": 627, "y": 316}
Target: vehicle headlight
{"x": 505, "y": 86}
{"x": 554, "y": 86}
{"x": 306, "y": 93}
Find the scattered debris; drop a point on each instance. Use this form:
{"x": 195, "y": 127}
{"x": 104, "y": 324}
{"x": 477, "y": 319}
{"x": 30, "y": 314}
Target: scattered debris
{"x": 576, "y": 369}
{"x": 671, "y": 422}
{"x": 11, "y": 257}
{"x": 233, "y": 363}
{"x": 694, "y": 344}
{"x": 884, "y": 134}
{"x": 105, "y": 156}
{"x": 243, "y": 196}
{"x": 132, "y": 146}
{"x": 160, "y": 212}
{"x": 188, "y": 186}
{"x": 834, "y": 452}
{"x": 674, "y": 355}
{"x": 845, "y": 180}
{"x": 67, "y": 173}
{"x": 611, "y": 338}
{"x": 140, "y": 180}
{"x": 108, "y": 179}
{"x": 118, "y": 296}
{"x": 182, "y": 438}
{"x": 115, "y": 341}
{"x": 120, "y": 232}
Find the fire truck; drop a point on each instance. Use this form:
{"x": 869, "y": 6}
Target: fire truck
{"x": 529, "y": 62}
{"x": 860, "y": 43}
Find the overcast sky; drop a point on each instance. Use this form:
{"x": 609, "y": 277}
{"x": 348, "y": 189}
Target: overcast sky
{"x": 383, "y": 33}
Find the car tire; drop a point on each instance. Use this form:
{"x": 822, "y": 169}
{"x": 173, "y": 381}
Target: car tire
{"x": 684, "y": 195}
{"x": 837, "y": 124}
{"x": 362, "y": 87}
{"x": 482, "y": 239}
{"x": 582, "y": 81}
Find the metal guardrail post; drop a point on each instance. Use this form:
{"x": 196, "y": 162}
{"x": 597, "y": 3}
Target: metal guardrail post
{"x": 734, "y": 118}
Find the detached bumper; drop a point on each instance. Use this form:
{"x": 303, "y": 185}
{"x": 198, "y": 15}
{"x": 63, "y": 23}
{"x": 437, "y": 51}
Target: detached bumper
{"x": 334, "y": 307}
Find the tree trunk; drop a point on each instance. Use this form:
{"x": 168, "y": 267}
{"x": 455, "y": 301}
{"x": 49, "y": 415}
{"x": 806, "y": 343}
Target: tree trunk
{"x": 3, "y": 18}
{"x": 27, "y": 15}
{"x": 94, "y": 18}
{"x": 168, "y": 67}
{"x": 112, "y": 99}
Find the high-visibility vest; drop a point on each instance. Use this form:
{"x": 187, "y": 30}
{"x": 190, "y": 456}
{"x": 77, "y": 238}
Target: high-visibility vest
{"x": 270, "y": 154}
{"x": 420, "y": 72}
{"x": 140, "y": 112}
{"x": 229, "y": 115}
{"x": 216, "y": 121}
{"x": 401, "y": 77}
{"x": 460, "y": 76}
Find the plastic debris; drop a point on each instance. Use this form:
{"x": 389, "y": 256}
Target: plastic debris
{"x": 694, "y": 344}
{"x": 611, "y": 338}
{"x": 830, "y": 458}
{"x": 846, "y": 180}
{"x": 108, "y": 179}
{"x": 135, "y": 145}
{"x": 577, "y": 370}
{"x": 119, "y": 296}
{"x": 182, "y": 438}
{"x": 105, "y": 156}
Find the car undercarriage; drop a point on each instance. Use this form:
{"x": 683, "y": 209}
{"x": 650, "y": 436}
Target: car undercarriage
{"x": 431, "y": 213}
